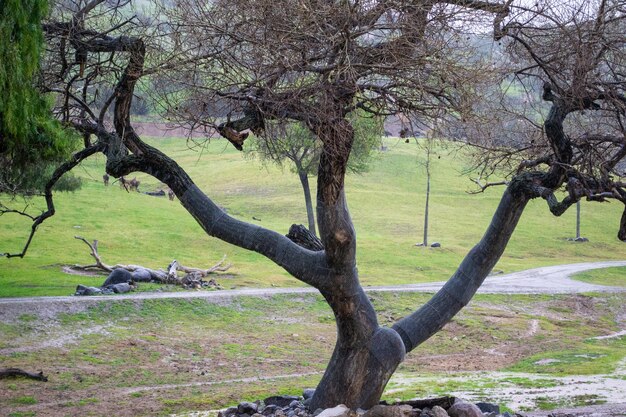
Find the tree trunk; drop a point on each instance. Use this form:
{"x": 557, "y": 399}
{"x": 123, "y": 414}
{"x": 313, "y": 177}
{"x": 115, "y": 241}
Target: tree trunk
{"x": 365, "y": 354}
{"x": 621, "y": 234}
{"x": 578, "y": 219}
{"x": 427, "y": 201}
{"x": 304, "y": 180}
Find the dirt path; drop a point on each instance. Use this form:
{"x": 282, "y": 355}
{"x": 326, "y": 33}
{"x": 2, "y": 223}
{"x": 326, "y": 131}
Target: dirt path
{"x": 545, "y": 280}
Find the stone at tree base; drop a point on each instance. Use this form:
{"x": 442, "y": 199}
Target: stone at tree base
{"x": 118, "y": 276}
{"x": 270, "y": 409}
{"x": 247, "y": 408}
{"x": 391, "y": 411}
{"x": 280, "y": 400}
{"x": 488, "y": 407}
{"x": 308, "y": 393}
{"x": 436, "y": 245}
{"x": 229, "y": 412}
{"x": 339, "y": 411}
{"x": 141, "y": 275}
{"x": 464, "y": 410}
{"x": 437, "y": 411}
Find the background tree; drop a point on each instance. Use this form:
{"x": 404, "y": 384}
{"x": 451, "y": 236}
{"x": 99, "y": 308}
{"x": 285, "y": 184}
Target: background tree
{"x": 295, "y": 143}
{"x": 318, "y": 62}
{"x": 31, "y": 140}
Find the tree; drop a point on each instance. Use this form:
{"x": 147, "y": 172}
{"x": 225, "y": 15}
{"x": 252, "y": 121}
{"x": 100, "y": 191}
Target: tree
{"x": 31, "y": 140}
{"x": 295, "y": 143}
{"x": 316, "y": 63}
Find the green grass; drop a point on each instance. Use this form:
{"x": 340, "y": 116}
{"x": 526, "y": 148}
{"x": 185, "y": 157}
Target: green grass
{"x": 607, "y": 276}
{"x": 134, "y": 348}
{"x": 386, "y": 204}
{"x": 589, "y": 357}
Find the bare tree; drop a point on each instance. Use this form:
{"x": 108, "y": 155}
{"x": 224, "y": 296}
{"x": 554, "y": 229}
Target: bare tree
{"x": 316, "y": 62}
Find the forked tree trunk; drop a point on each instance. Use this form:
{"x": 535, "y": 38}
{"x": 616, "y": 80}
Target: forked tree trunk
{"x": 363, "y": 362}
{"x": 365, "y": 354}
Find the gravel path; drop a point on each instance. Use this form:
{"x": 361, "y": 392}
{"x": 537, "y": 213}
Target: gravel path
{"x": 545, "y": 280}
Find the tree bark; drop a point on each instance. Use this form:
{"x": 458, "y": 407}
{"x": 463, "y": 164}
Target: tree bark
{"x": 621, "y": 234}
{"x": 427, "y": 200}
{"x": 365, "y": 355}
{"x": 304, "y": 180}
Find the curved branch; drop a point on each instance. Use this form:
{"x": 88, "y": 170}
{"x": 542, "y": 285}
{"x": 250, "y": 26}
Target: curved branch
{"x": 56, "y": 175}
{"x": 461, "y": 287}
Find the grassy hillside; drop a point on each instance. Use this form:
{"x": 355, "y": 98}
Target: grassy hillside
{"x": 386, "y": 204}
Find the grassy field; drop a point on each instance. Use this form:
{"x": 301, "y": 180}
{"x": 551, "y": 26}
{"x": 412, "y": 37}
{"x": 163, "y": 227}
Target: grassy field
{"x": 386, "y": 204}
{"x": 158, "y": 357}
{"x": 609, "y": 276}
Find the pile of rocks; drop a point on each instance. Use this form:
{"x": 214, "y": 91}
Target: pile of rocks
{"x": 292, "y": 406}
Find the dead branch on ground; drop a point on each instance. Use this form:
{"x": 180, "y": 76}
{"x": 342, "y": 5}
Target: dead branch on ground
{"x": 192, "y": 278}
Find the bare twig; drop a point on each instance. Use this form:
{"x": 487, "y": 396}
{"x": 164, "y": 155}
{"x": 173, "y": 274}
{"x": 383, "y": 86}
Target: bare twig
{"x": 483, "y": 187}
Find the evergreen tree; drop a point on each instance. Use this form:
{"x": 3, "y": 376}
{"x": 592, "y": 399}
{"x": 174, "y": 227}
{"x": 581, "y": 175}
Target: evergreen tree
{"x": 31, "y": 141}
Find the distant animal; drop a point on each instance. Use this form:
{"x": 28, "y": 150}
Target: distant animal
{"x": 123, "y": 183}
{"x": 105, "y": 179}
{"x": 170, "y": 195}
{"x": 134, "y": 184}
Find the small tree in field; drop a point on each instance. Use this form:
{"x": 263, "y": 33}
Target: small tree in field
{"x": 319, "y": 62}
{"x": 297, "y": 144}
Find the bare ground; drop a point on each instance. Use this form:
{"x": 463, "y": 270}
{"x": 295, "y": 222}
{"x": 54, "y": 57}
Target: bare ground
{"x": 111, "y": 364}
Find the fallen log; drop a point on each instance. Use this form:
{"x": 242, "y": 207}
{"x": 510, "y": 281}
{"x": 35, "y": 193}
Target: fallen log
{"x": 192, "y": 277}
{"x": 16, "y": 372}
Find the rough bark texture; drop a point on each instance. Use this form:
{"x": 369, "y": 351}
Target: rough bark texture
{"x": 303, "y": 237}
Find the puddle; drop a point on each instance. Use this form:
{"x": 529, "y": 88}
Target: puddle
{"x": 503, "y": 388}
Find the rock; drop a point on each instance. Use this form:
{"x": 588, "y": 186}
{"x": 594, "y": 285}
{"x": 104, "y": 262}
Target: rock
{"x": 118, "y": 276}
{"x": 317, "y": 412}
{"x": 121, "y": 288}
{"x": 280, "y": 400}
{"x": 84, "y": 290}
{"x": 257, "y": 415}
{"x": 338, "y": 411}
{"x": 247, "y": 408}
{"x": 435, "y": 245}
{"x": 391, "y": 411}
{"x": 229, "y": 412}
{"x": 308, "y": 393}
{"x": 141, "y": 275}
{"x": 270, "y": 409}
{"x": 437, "y": 411}
{"x": 464, "y": 410}
{"x": 295, "y": 404}
{"x": 488, "y": 407}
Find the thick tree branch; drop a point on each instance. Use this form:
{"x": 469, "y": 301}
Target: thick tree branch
{"x": 477, "y": 264}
